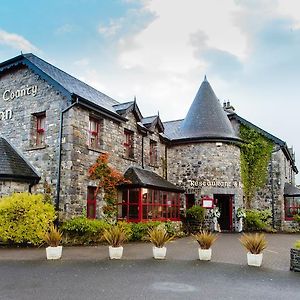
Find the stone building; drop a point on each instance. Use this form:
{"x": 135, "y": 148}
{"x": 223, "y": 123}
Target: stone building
{"x": 53, "y": 127}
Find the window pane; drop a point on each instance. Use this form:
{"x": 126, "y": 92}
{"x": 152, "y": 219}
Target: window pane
{"x": 134, "y": 196}
{"x": 133, "y": 212}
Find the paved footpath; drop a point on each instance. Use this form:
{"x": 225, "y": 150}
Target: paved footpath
{"x": 227, "y": 249}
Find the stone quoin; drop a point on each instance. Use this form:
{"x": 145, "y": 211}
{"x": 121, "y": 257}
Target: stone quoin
{"x": 55, "y": 126}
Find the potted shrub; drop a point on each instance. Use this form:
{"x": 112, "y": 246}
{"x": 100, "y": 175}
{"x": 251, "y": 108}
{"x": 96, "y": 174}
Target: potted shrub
{"x": 53, "y": 238}
{"x": 205, "y": 240}
{"x": 159, "y": 237}
{"x": 115, "y": 236}
{"x": 255, "y": 243}
{"x": 295, "y": 257}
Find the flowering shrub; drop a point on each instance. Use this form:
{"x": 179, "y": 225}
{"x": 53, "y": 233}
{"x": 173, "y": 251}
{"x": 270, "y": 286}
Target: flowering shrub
{"x": 108, "y": 179}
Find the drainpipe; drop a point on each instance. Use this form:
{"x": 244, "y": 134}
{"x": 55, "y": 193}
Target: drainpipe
{"x": 59, "y": 154}
{"x": 142, "y": 152}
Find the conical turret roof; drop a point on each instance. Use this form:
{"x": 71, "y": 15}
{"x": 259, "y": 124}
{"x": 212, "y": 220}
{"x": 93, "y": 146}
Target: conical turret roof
{"x": 206, "y": 118}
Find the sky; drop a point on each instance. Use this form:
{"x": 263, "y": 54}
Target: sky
{"x": 160, "y": 51}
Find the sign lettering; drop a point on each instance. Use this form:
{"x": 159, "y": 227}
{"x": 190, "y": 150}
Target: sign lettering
{"x": 6, "y": 114}
{"x": 28, "y": 90}
{"x": 214, "y": 183}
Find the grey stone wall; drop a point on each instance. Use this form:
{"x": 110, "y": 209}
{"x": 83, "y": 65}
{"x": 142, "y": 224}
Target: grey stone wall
{"x": 77, "y": 156}
{"x": 9, "y": 187}
{"x": 18, "y": 129}
{"x": 216, "y": 167}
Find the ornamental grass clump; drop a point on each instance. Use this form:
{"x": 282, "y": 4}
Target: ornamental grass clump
{"x": 115, "y": 236}
{"x": 53, "y": 237}
{"x": 205, "y": 239}
{"x": 158, "y": 236}
{"x": 255, "y": 243}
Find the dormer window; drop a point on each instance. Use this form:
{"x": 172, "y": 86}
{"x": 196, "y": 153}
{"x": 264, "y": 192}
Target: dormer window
{"x": 128, "y": 144}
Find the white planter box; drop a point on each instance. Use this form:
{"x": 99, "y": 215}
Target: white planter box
{"x": 54, "y": 252}
{"x": 115, "y": 252}
{"x": 204, "y": 254}
{"x": 254, "y": 259}
{"x": 159, "y": 253}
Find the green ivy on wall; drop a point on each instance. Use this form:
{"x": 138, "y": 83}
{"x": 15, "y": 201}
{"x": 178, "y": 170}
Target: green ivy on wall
{"x": 255, "y": 156}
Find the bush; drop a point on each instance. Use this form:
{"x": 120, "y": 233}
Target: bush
{"x": 139, "y": 231}
{"x": 81, "y": 230}
{"x": 257, "y": 219}
{"x": 25, "y": 218}
{"x": 194, "y": 219}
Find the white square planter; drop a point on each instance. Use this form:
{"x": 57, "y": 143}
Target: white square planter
{"x": 159, "y": 253}
{"x": 54, "y": 252}
{"x": 204, "y": 254}
{"x": 254, "y": 259}
{"x": 115, "y": 252}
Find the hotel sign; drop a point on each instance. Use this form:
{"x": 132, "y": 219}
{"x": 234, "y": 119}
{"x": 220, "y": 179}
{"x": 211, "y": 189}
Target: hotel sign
{"x": 214, "y": 183}
{"x": 10, "y": 94}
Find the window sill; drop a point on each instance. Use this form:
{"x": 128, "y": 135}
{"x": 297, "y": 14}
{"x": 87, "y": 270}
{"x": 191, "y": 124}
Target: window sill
{"x": 128, "y": 158}
{"x": 98, "y": 150}
{"x": 36, "y": 147}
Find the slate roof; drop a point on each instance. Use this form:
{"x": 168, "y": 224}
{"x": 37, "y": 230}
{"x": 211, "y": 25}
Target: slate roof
{"x": 290, "y": 190}
{"x": 66, "y": 83}
{"x": 153, "y": 121}
{"x": 13, "y": 166}
{"x": 144, "y": 178}
{"x": 172, "y": 129}
{"x": 205, "y": 119}
{"x": 123, "y": 107}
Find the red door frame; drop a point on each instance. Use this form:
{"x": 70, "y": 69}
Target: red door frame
{"x": 230, "y": 211}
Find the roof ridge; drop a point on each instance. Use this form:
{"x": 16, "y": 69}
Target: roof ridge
{"x": 28, "y": 55}
{"x": 173, "y": 121}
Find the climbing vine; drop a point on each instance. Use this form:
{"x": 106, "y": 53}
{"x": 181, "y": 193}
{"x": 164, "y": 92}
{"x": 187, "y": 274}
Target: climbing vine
{"x": 255, "y": 156}
{"x": 108, "y": 180}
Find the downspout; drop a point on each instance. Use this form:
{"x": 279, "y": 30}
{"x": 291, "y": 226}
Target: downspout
{"x": 166, "y": 162}
{"x": 142, "y": 152}
{"x": 59, "y": 154}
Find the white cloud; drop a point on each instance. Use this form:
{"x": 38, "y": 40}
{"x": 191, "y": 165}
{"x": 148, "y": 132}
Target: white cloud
{"x": 111, "y": 29}
{"x": 16, "y": 41}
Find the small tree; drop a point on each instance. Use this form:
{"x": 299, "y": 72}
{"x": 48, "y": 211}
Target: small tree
{"x": 108, "y": 180}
